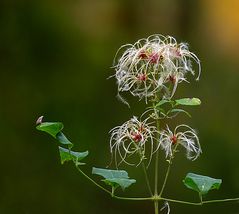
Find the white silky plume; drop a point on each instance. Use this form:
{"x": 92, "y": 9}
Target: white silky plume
{"x": 150, "y": 65}
{"x": 187, "y": 138}
{"x": 132, "y": 137}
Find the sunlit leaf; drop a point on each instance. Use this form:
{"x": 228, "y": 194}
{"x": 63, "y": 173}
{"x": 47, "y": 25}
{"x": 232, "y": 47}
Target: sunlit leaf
{"x": 200, "y": 183}
{"x": 188, "y": 101}
{"x": 68, "y": 155}
{"x": 52, "y": 128}
{"x": 114, "y": 178}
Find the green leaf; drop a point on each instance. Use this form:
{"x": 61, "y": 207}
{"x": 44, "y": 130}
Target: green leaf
{"x": 63, "y": 140}
{"x": 110, "y": 173}
{"x": 161, "y": 102}
{"x": 177, "y": 111}
{"x": 201, "y": 184}
{"x": 188, "y": 101}
{"x": 52, "y": 128}
{"x": 114, "y": 178}
{"x": 68, "y": 155}
{"x": 55, "y": 130}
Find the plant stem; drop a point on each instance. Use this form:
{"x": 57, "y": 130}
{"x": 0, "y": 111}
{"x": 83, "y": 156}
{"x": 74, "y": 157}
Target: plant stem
{"x": 220, "y": 200}
{"x": 113, "y": 191}
{"x": 133, "y": 199}
{"x": 166, "y": 177}
{"x": 200, "y": 197}
{"x": 141, "y": 156}
{"x": 156, "y": 207}
{"x": 156, "y": 211}
{"x": 156, "y": 159}
{"x": 156, "y": 199}
{"x": 146, "y": 178}
{"x": 168, "y": 170}
{"x": 98, "y": 185}
{"x": 107, "y": 191}
{"x": 156, "y": 174}
{"x": 199, "y": 203}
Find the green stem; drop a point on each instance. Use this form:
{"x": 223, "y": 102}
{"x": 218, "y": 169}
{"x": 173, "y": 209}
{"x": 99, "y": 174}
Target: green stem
{"x": 168, "y": 170}
{"x": 146, "y": 178}
{"x": 90, "y": 179}
{"x": 156, "y": 207}
{"x": 113, "y": 191}
{"x": 200, "y": 197}
{"x": 220, "y": 200}
{"x": 156, "y": 210}
{"x": 107, "y": 191}
{"x": 166, "y": 177}
{"x": 180, "y": 202}
{"x": 156, "y": 158}
{"x": 155, "y": 198}
{"x": 156, "y": 174}
{"x": 134, "y": 199}
{"x": 144, "y": 168}
{"x": 199, "y": 203}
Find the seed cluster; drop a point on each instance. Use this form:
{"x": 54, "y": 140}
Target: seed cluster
{"x": 157, "y": 63}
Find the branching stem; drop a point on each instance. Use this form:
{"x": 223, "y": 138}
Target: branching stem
{"x": 154, "y": 198}
{"x": 109, "y": 192}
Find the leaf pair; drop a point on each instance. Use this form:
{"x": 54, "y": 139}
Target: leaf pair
{"x": 183, "y": 101}
{"x": 114, "y": 178}
{"x": 55, "y": 130}
{"x": 175, "y": 111}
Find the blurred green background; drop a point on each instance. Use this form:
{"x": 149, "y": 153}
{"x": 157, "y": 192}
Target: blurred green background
{"x": 55, "y": 58}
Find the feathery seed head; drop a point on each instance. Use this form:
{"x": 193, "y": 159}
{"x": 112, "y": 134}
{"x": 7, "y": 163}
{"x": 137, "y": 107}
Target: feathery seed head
{"x": 187, "y": 138}
{"x": 145, "y": 67}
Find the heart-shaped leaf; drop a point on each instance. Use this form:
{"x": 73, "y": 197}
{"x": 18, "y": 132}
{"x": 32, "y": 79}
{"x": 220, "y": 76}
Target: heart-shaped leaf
{"x": 201, "y": 184}
{"x": 52, "y": 128}
{"x": 68, "y": 155}
{"x": 188, "y": 101}
{"x": 55, "y": 130}
{"x": 114, "y": 178}
{"x": 63, "y": 139}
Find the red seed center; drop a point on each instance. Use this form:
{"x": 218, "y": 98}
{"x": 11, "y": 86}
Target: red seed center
{"x": 142, "y": 77}
{"x": 154, "y": 57}
{"x": 136, "y": 137}
{"x": 143, "y": 55}
{"x": 172, "y": 79}
{"x": 173, "y": 139}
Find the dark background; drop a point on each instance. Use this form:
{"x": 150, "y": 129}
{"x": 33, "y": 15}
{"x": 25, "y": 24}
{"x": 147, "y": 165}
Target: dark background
{"x": 55, "y": 58}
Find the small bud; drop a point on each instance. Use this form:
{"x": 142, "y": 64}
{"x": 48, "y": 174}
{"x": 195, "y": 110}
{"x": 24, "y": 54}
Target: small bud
{"x": 39, "y": 120}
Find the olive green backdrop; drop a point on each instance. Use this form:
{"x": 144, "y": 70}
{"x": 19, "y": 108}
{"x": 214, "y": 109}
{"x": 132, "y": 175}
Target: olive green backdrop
{"x": 55, "y": 58}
